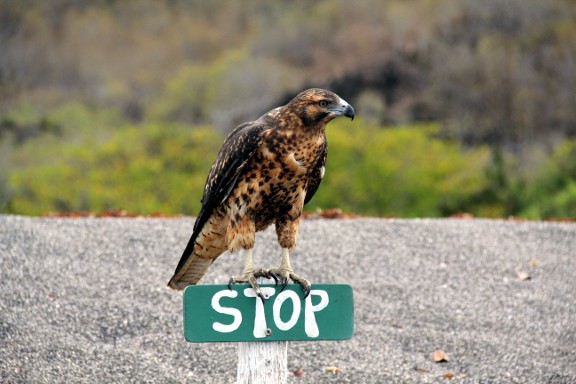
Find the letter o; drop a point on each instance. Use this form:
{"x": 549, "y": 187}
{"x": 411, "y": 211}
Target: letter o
{"x": 283, "y": 296}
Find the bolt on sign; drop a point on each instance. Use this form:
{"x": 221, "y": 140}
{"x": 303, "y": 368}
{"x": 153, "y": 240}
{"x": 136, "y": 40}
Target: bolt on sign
{"x": 214, "y": 313}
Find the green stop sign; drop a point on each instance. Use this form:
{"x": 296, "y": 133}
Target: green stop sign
{"x": 215, "y": 313}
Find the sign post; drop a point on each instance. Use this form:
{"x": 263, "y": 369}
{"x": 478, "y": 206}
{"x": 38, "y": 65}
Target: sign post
{"x": 214, "y": 313}
{"x": 262, "y": 362}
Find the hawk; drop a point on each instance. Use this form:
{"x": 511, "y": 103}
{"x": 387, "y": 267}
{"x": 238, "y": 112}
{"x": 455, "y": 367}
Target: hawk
{"x": 265, "y": 172}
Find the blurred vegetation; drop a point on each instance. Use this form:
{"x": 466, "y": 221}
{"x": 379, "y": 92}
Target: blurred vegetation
{"x": 464, "y": 106}
{"x": 144, "y": 168}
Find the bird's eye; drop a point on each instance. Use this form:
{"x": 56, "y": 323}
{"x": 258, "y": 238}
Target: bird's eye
{"x": 323, "y": 103}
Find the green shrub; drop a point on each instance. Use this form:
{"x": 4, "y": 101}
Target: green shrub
{"x": 397, "y": 171}
{"x": 142, "y": 169}
{"x": 371, "y": 170}
{"x": 553, "y": 192}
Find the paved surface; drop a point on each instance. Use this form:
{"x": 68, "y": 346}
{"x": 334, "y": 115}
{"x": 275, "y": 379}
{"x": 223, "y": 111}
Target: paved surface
{"x": 84, "y": 300}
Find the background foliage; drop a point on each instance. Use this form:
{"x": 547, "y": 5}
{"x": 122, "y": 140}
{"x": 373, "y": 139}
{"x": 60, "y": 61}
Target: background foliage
{"x": 465, "y": 106}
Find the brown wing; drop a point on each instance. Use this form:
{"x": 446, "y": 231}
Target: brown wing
{"x": 317, "y": 174}
{"x": 238, "y": 148}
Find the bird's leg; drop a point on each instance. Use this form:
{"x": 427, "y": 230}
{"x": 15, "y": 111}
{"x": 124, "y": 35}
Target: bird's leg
{"x": 285, "y": 267}
{"x": 248, "y": 275}
{"x": 285, "y": 272}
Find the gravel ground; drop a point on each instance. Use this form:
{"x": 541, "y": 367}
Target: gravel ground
{"x": 84, "y": 300}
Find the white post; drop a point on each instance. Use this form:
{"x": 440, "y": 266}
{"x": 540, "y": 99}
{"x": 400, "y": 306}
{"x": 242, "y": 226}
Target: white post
{"x": 262, "y": 362}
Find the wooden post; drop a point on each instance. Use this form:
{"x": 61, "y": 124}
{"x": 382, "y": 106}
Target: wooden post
{"x": 262, "y": 362}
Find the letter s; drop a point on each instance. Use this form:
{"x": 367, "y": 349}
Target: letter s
{"x": 226, "y": 328}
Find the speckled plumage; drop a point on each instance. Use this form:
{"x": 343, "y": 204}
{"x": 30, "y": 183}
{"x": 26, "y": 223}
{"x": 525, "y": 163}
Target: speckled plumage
{"x": 265, "y": 172}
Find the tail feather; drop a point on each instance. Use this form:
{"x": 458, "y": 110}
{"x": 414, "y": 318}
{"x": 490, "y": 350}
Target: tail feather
{"x": 190, "y": 273}
{"x": 205, "y": 245}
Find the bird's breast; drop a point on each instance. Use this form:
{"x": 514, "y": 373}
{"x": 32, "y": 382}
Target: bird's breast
{"x": 276, "y": 179}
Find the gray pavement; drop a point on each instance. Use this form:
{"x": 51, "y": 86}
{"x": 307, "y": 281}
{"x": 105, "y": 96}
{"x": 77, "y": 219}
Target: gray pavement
{"x": 84, "y": 300}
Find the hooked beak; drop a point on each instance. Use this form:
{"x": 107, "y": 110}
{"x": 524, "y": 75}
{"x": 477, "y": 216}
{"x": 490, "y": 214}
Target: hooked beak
{"x": 343, "y": 109}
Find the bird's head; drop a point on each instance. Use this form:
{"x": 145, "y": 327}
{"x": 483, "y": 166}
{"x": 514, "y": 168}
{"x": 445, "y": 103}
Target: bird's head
{"x": 317, "y": 106}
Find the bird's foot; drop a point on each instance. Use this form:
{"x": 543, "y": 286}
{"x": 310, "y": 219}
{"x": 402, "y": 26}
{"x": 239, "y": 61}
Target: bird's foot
{"x": 250, "y": 277}
{"x": 281, "y": 275}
